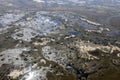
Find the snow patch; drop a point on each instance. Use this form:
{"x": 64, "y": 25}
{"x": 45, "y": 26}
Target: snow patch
{"x": 35, "y": 74}
{"x": 39, "y": 25}
{"x": 58, "y": 56}
{"x": 9, "y": 56}
{"x": 39, "y": 1}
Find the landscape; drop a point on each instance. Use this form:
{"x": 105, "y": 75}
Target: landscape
{"x": 59, "y": 39}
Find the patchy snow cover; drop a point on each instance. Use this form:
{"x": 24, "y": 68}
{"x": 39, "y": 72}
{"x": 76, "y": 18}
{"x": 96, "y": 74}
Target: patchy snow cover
{"x": 39, "y": 25}
{"x": 9, "y": 56}
{"x": 32, "y": 72}
{"x": 35, "y": 74}
{"x": 58, "y": 56}
{"x": 26, "y": 33}
{"x": 39, "y": 1}
{"x": 91, "y": 22}
{"x": 9, "y": 18}
{"x": 62, "y": 2}
{"x": 78, "y": 1}
{"x": 15, "y": 73}
{"x": 85, "y": 47}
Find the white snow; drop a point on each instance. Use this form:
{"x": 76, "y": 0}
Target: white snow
{"x": 39, "y": 1}
{"x": 10, "y": 56}
{"x": 35, "y": 74}
{"x": 9, "y": 18}
{"x": 39, "y": 25}
{"x": 58, "y": 56}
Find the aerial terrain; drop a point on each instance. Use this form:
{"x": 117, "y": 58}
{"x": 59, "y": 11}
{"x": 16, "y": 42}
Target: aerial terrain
{"x": 59, "y": 39}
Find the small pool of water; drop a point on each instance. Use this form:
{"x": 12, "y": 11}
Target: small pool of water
{"x": 113, "y": 32}
{"x": 87, "y": 25}
{"x": 73, "y": 32}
